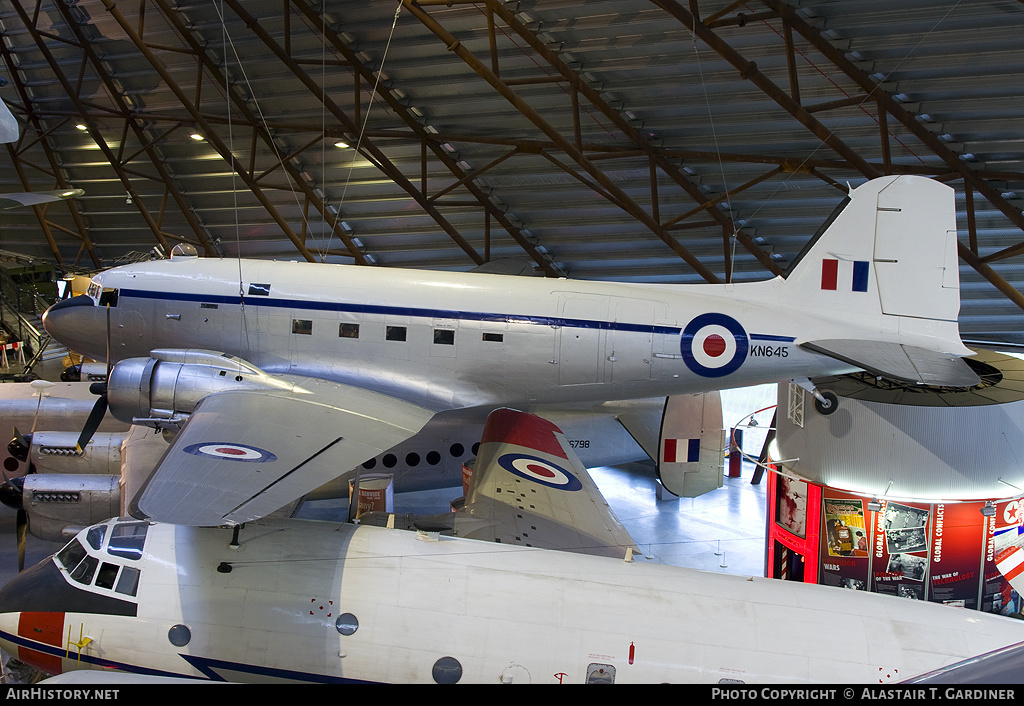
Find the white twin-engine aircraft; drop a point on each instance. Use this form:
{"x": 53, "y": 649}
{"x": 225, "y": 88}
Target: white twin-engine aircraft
{"x": 285, "y": 600}
{"x": 279, "y": 376}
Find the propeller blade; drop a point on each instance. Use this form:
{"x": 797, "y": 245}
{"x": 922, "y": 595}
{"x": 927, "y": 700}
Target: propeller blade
{"x": 21, "y": 531}
{"x": 92, "y": 423}
{"x": 12, "y": 493}
{"x": 18, "y": 446}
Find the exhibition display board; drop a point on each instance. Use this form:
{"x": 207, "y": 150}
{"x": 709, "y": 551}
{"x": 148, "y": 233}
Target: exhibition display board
{"x": 934, "y": 551}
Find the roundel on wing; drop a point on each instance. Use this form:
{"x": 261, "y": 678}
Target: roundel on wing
{"x": 714, "y": 345}
{"x": 539, "y": 471}
{"x": 231, "y": 452}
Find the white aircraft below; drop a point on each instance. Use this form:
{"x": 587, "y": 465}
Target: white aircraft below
{"x": 277, "y": 376}
{"x": 283, "y": 600}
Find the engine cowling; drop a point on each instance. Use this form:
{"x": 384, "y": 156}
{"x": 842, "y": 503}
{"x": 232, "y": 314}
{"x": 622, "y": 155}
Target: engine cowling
{"x": 56, "y": 452}
{"x": 161, "y": 391}
{"x": 58, "y": 505}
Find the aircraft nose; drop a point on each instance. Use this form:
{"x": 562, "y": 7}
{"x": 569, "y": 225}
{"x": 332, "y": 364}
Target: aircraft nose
{"x": 37, "y": 588}
{"x": 78, "y": 324}
{"x": 55, "y": 315}
{"x": 32, "y": 618}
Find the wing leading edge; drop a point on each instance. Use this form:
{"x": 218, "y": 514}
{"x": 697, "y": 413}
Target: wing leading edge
{"x": 243, "y": 454}
{"x": 530, "y": 489}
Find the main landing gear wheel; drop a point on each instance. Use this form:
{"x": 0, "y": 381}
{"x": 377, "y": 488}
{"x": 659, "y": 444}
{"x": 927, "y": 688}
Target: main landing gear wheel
{"x": 826, "y": 402}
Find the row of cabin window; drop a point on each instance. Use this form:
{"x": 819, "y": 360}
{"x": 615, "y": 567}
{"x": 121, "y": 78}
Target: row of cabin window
{"x": 443, "y": 337}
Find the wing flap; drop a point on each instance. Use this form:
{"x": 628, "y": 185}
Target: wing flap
{"x": 530, "y": 489}
{"x": 899, "y": 362}
{"x": 243, "y": 454}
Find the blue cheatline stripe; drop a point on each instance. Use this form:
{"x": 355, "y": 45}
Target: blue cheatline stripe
{"x": 769, "y": 337}
{"x": 88, "y": 659}
{"x": 205, "y": 665}
{"x": 213, "y": 668}
{"x": 348, "y": 307}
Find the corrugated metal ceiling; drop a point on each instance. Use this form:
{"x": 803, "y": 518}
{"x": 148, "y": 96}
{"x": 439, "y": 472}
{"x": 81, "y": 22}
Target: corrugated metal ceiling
{"x": 615, "y": 139}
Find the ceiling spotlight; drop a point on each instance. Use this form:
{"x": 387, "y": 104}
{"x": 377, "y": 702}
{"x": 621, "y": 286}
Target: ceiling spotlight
{"x": 989, "y": 510}
{"x": 874, "y": 505}
{"x": 341, "y": 144}
{"x": 197, "y": 137}
{"x": 81, "y": 126}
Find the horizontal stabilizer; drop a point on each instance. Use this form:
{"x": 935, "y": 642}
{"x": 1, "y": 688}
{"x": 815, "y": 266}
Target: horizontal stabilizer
{"x": 530, "y": 489}
{"x": 898, "y": 362}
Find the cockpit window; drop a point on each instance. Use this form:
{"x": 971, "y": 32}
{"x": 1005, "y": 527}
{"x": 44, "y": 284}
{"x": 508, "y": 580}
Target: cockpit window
{"x": 127, "y": 539}
{"x": 108, "y": 297}
{"x": 106, "y": 575}
{"x": 95, "y": 536}
{"x": 128, "y": 584}
{"x": 85, "y": 569}
{"x": 71, "y": 554}
{"x": 90, "y": 561}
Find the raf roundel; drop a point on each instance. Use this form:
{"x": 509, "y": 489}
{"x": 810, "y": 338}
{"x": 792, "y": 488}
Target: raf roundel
{"x": 714, "y": 345}
{"x": 540, "y": 471}
{"x": 231, "y": 452}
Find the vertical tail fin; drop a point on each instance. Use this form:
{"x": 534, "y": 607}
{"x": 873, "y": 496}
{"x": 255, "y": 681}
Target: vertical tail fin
{"x": 887, "y": 261}
{"x": 890, "y": 249}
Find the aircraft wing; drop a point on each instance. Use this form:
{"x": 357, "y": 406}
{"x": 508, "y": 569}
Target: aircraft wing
{"x": 899, "y": 362}
{"x": 35, "y": 198}
{"x": 529, "y": 489}
{"x": 241, "y": 455}
{"x": 1000, "y": 666}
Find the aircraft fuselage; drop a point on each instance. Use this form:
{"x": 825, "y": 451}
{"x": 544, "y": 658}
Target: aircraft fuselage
{"x": 310, "y": 601}
{"x": 451, "y": 340}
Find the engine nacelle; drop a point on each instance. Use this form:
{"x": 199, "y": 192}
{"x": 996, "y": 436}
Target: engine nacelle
{"x": 55, "y": 452}
{"x": 59, "y": 505}
{"x": 163, "y": 390}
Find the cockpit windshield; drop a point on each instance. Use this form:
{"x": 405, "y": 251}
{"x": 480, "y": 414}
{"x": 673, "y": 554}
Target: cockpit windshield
{"x": 127, "y": 538}
{"x": 100, "y": 557}
{"x": 103, "y": 296}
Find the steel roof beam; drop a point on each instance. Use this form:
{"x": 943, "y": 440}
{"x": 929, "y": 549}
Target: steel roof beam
{"x": 567, "y": 146}
{"x": 90, "y": 122}
{"x": 367, "y": 147}
{"x": 426, "y": 139}
{"x": 631, "y": 133}
{"x": 147, "y": 142}
{"x": 205, "y": 127}
{"x": 971, "y": 180}
{"x": 40, "y": 134}
{"x": 748, "y": 70}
